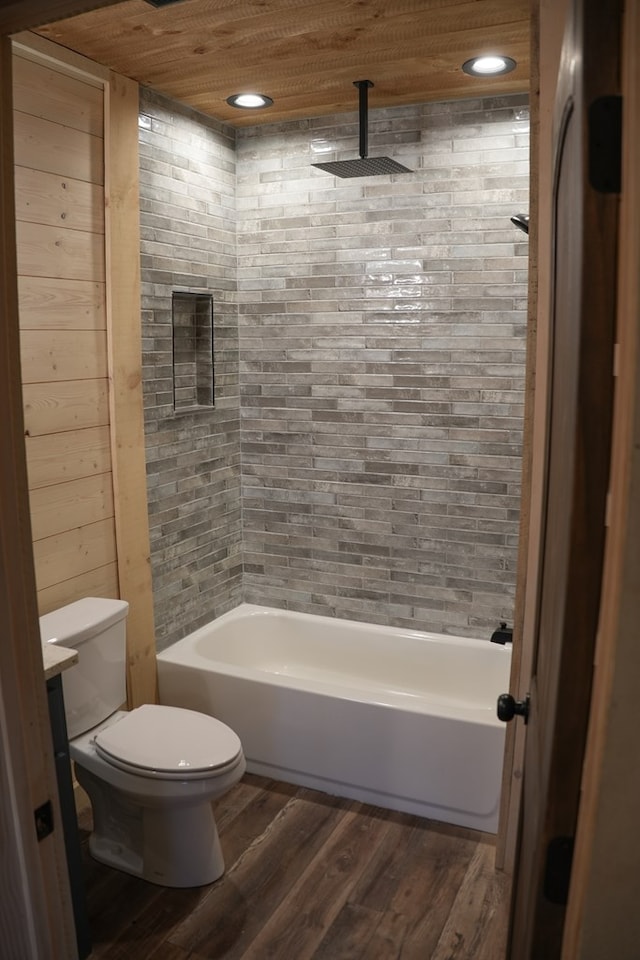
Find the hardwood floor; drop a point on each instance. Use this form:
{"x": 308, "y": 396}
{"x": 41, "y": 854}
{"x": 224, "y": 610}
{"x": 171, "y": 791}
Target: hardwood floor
{"x": 312, "y": 877}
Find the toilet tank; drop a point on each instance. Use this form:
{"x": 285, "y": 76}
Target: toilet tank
{"x": 95, "y": 687}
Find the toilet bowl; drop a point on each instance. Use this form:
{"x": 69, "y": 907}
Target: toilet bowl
{"x": 151, "y": 774}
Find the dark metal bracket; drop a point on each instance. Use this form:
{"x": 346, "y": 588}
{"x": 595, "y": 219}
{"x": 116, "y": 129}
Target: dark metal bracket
{"x": 605, "y": 144}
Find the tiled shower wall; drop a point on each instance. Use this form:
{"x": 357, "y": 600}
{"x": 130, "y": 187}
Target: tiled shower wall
{"x": 382, "y": 327}
{"x": 187, "y": 187}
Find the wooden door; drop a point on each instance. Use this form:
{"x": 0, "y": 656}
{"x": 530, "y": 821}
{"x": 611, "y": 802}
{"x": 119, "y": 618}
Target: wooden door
{"x": 580, "y": 363}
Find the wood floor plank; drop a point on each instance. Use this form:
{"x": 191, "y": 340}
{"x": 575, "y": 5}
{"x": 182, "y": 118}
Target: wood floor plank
{"x": 229, "y": 918}
{"x": 114, "y": 906}
{"x": 477, "y": 925}
{"x": 240, "y": 828}
{"x": 350, "y": 936}
{"x": 426, "y": 866}
{"x": 311, "y": 877}
{"x": 432, "y": 875}
{"x": 379, "y": 883}
{"x": 417, "y": 888}
{"x": 323, "y": 888}
{"x": 390, "y": 939}
{"x": 147, "y": 937}
{"x": 230, "y": 804}
{"x": 166, "y": 951}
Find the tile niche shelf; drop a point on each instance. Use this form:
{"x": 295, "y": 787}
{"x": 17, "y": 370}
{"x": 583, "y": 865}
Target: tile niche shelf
{"x": 192, "y": 330}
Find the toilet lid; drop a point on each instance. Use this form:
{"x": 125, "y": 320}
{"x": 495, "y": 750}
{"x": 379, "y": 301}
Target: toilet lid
{"x": 170, "y": 741}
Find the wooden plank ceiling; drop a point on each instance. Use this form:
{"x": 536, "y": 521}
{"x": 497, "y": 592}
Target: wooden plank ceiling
{"x": 305, "y": 54}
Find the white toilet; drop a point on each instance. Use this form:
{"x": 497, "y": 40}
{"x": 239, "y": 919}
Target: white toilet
{"x": 151, "y": 773}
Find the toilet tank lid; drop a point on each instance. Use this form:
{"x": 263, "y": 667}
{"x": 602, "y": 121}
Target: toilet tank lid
{"x": 79, "y": 621}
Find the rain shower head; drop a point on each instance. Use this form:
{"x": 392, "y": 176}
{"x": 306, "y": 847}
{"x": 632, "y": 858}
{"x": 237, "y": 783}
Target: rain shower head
{"x": 365, "y": 166}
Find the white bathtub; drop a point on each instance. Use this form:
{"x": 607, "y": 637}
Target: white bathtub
{"x": 398, "y": 718}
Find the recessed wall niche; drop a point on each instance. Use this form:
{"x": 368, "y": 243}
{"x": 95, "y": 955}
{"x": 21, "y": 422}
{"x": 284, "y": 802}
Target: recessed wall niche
{"x": 192, "y": 326}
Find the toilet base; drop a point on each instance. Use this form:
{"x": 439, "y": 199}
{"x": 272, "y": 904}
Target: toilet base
{"x": 174, "y": 846}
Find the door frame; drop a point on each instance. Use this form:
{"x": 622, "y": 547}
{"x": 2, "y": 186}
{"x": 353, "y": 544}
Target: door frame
{"x": 602, "y": 906}
{"x": 601, "y": 898}
{"x": 41, "y": 908}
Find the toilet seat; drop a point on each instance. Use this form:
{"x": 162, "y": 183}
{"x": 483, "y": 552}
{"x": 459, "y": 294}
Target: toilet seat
{"x": 169, "y": 743}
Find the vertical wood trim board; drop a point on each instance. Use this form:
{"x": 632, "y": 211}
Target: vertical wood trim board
{"x": 511, "y": 792}
{"x": 35, "y": 906}
{"x": 125, "y": 358}
{"x": 547, "y": 36}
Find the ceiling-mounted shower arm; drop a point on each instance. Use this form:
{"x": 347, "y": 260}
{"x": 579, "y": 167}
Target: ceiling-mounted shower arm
{"x": 363, "y": 110}
{"x": 364, "y": 166}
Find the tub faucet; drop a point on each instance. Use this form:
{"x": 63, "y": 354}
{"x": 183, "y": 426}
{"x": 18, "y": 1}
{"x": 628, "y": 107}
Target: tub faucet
{"x": 503, "y": 635}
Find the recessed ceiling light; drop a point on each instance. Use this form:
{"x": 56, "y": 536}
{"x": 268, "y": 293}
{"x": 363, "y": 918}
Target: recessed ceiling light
{"x": 488, "y": 66}
{"x": 249, "y": 101}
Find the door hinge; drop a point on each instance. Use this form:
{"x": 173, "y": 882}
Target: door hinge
{"x": 44, "y": 820}
{"x": 557, "y": 870}
{"x": 605, "y": 144}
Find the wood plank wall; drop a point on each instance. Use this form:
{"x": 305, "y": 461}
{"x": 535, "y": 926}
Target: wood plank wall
{"x": 36, "y": 920}
{"x": 60, "y": 213}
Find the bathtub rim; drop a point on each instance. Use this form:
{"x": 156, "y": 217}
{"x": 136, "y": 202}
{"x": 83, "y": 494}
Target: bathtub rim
{"x": 426, "y": 703}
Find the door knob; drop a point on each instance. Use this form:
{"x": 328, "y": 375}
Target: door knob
{"x": 508, "y": 707}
